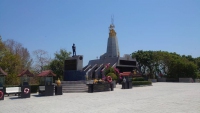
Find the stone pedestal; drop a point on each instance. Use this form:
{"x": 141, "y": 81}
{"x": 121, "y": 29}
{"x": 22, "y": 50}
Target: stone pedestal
{"x": 112, "y": 86}
{"x": 25, "y": 91}
{"x": 127, "y": 85}
{"x": 2, "y": 90}
{"x": 130, "y": 85}
{"x": 124, "y": 85}
{"x": 90, "y": 88}
{"x": 58, "y": 90}
{"x": 49, "y": 91}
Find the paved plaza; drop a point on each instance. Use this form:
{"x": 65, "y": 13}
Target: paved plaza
{"x": 159, "y": 98}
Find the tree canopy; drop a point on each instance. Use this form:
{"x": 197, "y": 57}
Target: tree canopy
{"x": 57, "y": 64}
{"x": 161, "y": 63}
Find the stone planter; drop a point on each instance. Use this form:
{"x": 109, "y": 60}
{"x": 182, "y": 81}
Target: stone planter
{"x": 99, "y": 87}
{"x": 161, "y": 79}
{"x": 114, "y": 84}
{"x": 152, "y": 80}
{"x": 186, "y": 80}
{"x": 197, "y": 80}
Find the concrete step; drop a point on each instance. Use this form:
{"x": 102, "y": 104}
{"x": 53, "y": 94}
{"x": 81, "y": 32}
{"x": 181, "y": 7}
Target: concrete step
{"x": 73, "y": 82}
{"x": 74, "y": 86}
{"x": 75, "y": 91}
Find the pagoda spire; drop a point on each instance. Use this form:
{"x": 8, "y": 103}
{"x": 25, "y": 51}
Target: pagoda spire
{"x": 112, "y": 32}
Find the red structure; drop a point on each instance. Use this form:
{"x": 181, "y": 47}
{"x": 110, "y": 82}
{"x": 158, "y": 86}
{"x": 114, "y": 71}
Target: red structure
{"x": 46, "y": 73}
{"x": 26, "y": 73}
{"x": 46, "y": 88}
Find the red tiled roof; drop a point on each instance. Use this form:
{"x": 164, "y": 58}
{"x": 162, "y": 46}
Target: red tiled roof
{"x": 26, "y": 72}
{"x": 46, "y": 73}
{"x": 137, "y": 75}
{"x": 130, "y": 74}
{"x": 2, "y": 72}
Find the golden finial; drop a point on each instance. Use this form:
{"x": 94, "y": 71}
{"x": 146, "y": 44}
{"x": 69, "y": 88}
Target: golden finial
{"x": 112, "y": 33}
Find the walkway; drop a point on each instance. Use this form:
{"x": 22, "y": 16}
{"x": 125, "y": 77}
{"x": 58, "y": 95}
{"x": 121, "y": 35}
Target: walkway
{"x": 159, "y": 98}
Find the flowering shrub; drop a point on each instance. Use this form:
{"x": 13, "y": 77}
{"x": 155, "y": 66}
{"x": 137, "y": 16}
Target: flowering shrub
{"x": 109, "y": 79}
{"x": 115, "y": 72}
{"x": 96, "y": 81}
{"x": 112, "y": 75}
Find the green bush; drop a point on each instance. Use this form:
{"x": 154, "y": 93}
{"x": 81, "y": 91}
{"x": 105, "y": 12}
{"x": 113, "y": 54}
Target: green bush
{"x": 198, "y": 75}
{"x": 112, "y": 75}
{"x": 138, "y": 79}
{"x": 141, "y": 82}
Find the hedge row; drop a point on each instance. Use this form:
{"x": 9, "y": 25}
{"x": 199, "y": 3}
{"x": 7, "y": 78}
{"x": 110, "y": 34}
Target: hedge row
{"x": 138, "y": 79}
{"x": 141, "y": 83}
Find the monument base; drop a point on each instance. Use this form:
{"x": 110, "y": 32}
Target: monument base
{"x": 73, "y": 75}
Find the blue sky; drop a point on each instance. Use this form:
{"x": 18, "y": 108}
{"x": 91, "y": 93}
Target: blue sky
{"x": 168, "y": 25}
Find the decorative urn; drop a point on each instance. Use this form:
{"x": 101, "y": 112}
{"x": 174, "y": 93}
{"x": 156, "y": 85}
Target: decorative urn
{"x": 58, "y": 82}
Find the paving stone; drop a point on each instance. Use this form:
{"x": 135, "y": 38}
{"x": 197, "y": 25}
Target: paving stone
{"x": 159, "y": 98}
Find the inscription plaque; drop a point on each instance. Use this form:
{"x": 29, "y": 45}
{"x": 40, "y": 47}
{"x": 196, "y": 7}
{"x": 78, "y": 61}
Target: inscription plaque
{"x": 71, "y": 64}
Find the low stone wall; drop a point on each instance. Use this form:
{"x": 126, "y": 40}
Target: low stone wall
{"x": 187, "y": 80}
{"x": 152, "y": 80}
{"x": 161, "y": 79}
{"x": 197, "y": 80}
{"x": 172, "y": 80}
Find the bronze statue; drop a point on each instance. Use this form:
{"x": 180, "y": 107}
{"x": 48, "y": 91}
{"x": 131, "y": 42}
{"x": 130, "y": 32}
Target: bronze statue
{"x": 74, "y": 50}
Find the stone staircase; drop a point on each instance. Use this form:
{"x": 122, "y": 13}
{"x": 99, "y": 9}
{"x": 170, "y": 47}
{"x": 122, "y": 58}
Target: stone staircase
{"x": 74, "y": 86}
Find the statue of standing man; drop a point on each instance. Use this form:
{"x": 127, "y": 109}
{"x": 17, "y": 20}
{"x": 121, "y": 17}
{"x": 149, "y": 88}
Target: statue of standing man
{"x": 74, "y": 50}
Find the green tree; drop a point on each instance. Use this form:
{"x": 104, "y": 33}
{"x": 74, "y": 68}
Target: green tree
{"x": 11, "y": 64}
{"x": 153, "y": 63}
{"x": 17, "y": 49}
{"x": 57, "y": 64}
{"x": 147, "y": 62}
